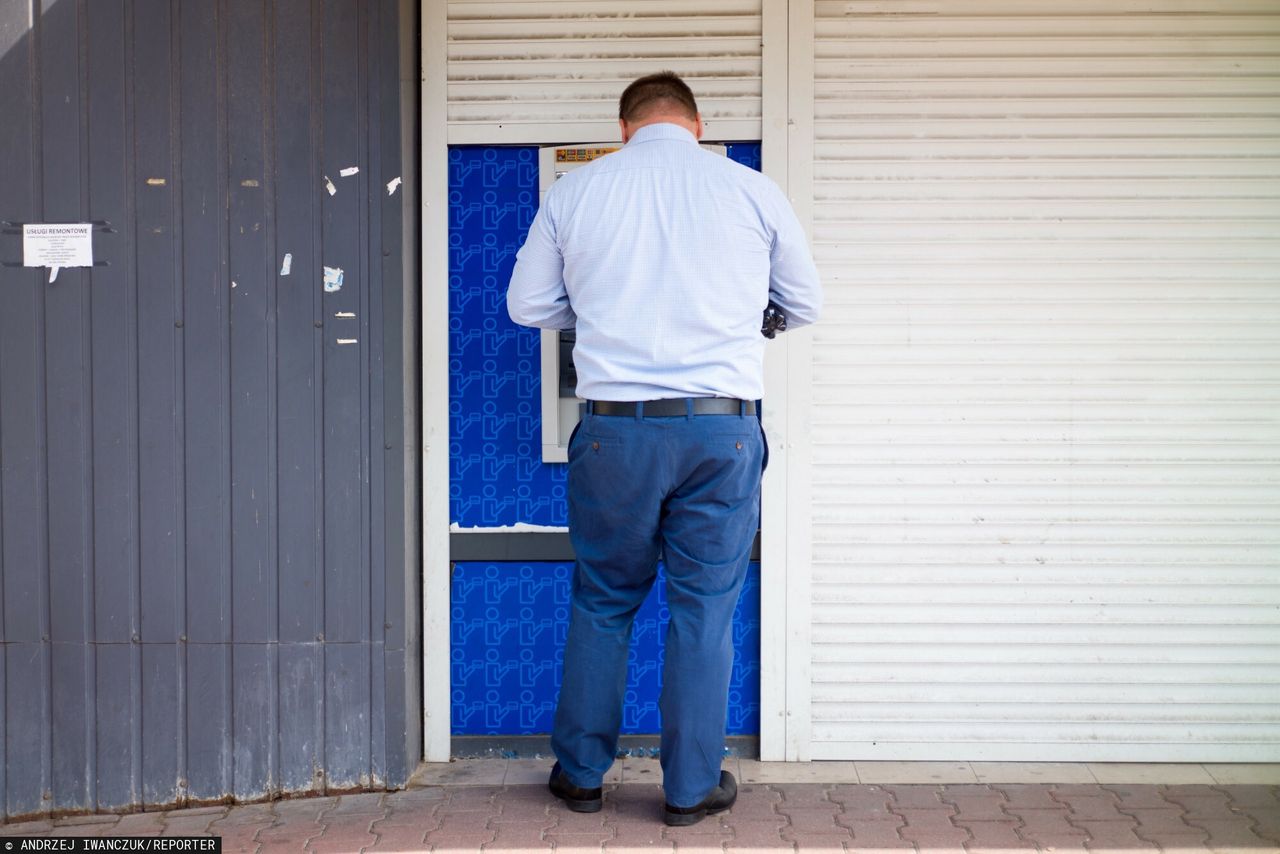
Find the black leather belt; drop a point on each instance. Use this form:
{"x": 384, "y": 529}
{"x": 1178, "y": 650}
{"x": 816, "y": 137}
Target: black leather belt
{"x": 674, "y": 407}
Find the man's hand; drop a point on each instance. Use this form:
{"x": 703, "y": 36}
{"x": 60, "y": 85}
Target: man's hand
{"x": 774, "y": 321}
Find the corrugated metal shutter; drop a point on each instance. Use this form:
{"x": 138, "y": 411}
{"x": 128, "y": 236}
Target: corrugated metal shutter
{"x": 1046, "y": 439}
{"x": 538, "y": 71}
{"x": 204, "y": 586}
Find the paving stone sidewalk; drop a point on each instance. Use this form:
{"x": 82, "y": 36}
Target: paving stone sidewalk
{"x": 803, "y": 817}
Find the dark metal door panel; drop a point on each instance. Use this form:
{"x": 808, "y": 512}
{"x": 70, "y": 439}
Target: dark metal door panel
{"x": 202, "y": 514}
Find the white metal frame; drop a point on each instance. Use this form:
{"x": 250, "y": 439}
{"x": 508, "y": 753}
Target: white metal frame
{"x": 546, "y": 133}
{"x": 786, "y": 133}
{"x": 786, "y": 533}
{"x": 436, "y": 687}
{"x": 774, "y": 159}
{"x": 799, "y": 519}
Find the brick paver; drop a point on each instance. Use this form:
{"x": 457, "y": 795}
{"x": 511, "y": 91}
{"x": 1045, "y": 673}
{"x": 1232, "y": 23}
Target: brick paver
{"x": 878, "y": 834}
{"x": 238, "y": 828}
{"x": 296, "y": 823}
{"x": 813, "y": 824}
{"x": 341, "y": 843}
{"x": 918, "y": 797}
{"x": 369, "y": 806}
{"x": 1138, "y": 797}
{"x": 399, "y": 838}
{"x": 932, "y": 829}
{"x": 634, "y": 836}
{"x": 1234, "y": 836}
{"x": 1049, "y": 828}
{"x": 1028, "y": 796}
{"x": 1097, "y": 805}
{"x": 1113, "y": 835}
{"x": 996, "y": 836}
{"x": 975, "y": 803}
{"x": 140, "y": 824}
{"x": 176, "y": 824}
{"x": 845, "y": 817}
{"x": 863, "y": 803}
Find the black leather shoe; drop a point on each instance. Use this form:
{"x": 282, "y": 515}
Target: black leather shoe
{"x": 576, "y": 798}
{"x": 719, "y": 800}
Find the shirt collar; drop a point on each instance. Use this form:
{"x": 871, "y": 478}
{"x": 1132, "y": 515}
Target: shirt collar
{"x": 662, "y": 130}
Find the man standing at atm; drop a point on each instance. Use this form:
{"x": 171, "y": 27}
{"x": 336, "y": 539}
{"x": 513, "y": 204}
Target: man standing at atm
{"x": 664, "y": 257}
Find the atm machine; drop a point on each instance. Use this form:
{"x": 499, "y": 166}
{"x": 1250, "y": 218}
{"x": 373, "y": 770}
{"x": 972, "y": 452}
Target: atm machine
{"x": 561, "y": 408}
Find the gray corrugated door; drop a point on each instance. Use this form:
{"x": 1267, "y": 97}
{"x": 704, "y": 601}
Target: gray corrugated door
{"x": 202, "y": 536}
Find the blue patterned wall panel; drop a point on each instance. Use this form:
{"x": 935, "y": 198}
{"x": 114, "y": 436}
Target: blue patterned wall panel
{"x": 508, "y": 628}
{"x": 509, "y": 619}
{"x": 746, "y": 153}
{"x": 496, "y": 475}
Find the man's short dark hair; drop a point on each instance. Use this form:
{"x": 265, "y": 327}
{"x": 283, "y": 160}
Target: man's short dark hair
{"x": 662, "y": 91}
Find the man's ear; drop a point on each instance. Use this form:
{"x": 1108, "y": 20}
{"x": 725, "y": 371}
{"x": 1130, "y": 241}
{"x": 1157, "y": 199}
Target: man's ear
{"x": 697, "y": 118}
{"x": 626, "y": 134}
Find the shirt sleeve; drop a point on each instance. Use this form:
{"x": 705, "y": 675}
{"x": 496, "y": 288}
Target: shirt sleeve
{"x": 537, "y": 295}
{"x": 793, "y": 278}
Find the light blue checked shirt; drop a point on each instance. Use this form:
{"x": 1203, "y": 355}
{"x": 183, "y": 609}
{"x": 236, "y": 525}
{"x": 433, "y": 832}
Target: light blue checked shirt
{"x": 664, "y": 257}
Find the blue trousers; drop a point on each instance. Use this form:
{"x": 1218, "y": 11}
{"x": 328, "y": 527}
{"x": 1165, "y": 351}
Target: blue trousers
{"x": 688, "y": 489}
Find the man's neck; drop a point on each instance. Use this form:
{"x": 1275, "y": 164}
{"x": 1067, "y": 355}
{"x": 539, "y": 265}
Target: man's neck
{"x": 693, "y": 126}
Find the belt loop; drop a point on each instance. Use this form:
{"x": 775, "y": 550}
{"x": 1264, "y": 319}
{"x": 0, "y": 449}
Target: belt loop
{"x": 742, "y": 409}
{"x": 688, "y": 408}
{"x": 591, "y": 407}
{"x": 640, "y": 410}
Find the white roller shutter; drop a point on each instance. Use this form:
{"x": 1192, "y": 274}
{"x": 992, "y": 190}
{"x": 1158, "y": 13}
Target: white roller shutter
{"x": 1046, "y": 417}
{"x": 547, "y": 71}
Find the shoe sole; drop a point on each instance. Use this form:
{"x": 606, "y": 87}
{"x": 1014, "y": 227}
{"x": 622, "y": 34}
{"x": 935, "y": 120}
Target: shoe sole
{"x": 579, "y": 806}
{"x": 583, "y": 806}
{"x": 682, "y": 819}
